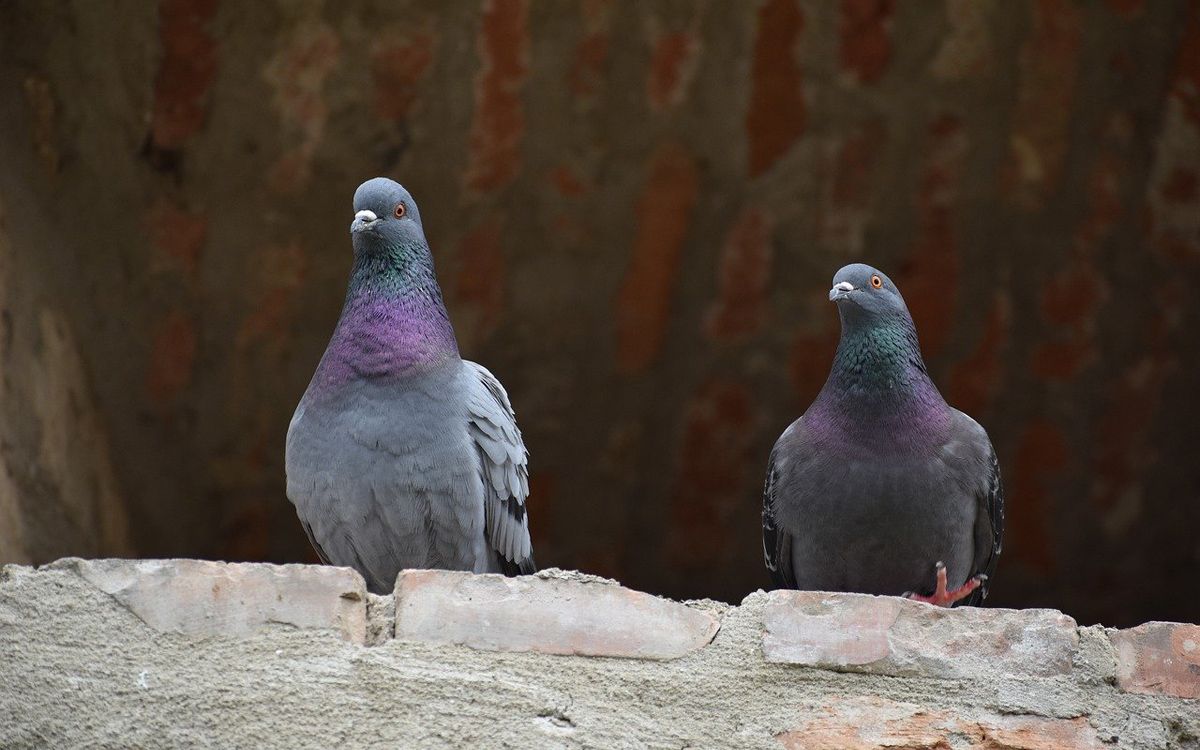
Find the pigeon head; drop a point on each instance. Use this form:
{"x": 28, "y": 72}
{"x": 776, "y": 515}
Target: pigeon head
{"x": 386, "y": 217}
{"x": 878, "y": 358}
{"x": 865, "y": 296}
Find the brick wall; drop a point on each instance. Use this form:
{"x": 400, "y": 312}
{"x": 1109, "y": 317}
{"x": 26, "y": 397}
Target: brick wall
{"x": 184, "y": 653}
{"x": 635, "y": 209}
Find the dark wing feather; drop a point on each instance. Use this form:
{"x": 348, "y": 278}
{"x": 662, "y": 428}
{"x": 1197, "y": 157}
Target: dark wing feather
{"x": 504, "y": 466}
{"x": 777, "y": 544}
{"x": 989, "y": 528}
{"x": 313, "y": 541}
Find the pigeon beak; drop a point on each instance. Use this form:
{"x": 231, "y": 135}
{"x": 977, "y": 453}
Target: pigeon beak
{"x": 841, "y": 290}
{"x": 363, "y": 220}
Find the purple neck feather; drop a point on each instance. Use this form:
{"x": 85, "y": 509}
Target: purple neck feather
{"x": 879, "y": 395}
{"x": 394, "y": 324}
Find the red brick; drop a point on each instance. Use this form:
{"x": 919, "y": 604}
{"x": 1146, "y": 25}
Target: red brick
{"x": 545, "y": 614}
{"x": 664, "y": 211}
{"x": 864, "y": 31}
{"x": 892, "y": 636}
{"x": 848, "y": 176}
{"x": 480, "y": 282}
{"x": 297, "y": 74}
{"x": 172, "y": 358}
{"x": 499, "y": 121}
{"x": 929, "y": 276}
{"x": 672, "y": 63}
{"x": 585, "y": 75}
{"x": 880, "y": 724}
{"x": 202, "y": 598}
{"x": 1159, "y": 658}
{"x": 740, "y": 309}
{"x": 185, "y": 72}
{"x": 567, "y": 182}
{"x": 177, "y": 236}
{"x": 776, "y": 115}
{"x": 400, "y": 60}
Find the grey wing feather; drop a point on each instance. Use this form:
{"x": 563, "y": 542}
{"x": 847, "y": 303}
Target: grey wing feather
{"x": 504, "y": 464}
{"x": 989, "y": 529}
{"x": 777, "y": 543}
{"x": 989, "y": 521}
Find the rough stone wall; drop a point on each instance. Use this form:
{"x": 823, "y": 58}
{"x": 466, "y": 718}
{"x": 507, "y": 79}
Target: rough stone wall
{"x": 184, "y": 653}
{"x": 635, "y": 210}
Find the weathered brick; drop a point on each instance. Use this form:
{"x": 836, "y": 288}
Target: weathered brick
{"x": 871, "y": 723}
{"x": 897, "y": 637}
{"x": 499, "y": 121}
{"x": 664, "y": 211}
{"x": 1159, "y": 657}
{"x": 672, "y": 64}
{"x": 776, "y": 112}
{"x": 198, "y": 597}
{"x": 544, "y": 614}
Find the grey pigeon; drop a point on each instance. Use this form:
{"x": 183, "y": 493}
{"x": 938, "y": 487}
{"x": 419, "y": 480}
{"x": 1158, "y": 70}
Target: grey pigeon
{"x": 402, "y": 454}
{"x": 882, "y": 487}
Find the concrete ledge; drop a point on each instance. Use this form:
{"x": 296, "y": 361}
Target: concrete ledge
{"x": 185, "y": 653}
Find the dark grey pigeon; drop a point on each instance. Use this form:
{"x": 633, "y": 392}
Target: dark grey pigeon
{"x": 401, "y": 454}
{"x": 882, "y": 487}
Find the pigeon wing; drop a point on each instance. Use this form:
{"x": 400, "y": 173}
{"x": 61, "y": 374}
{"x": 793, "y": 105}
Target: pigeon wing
{"x": 777, "y": 542}
{"x": 504, "y": 468}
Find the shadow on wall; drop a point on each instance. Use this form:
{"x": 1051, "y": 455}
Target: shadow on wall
{"x": 635, "y": 211}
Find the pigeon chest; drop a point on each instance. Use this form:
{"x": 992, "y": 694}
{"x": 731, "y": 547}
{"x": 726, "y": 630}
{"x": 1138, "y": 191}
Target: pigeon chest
{"x": 880, "y": 526}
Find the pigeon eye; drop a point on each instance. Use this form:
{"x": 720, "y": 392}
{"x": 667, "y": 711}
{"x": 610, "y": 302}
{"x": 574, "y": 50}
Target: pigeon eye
{"x": 876, "y": 282}
{"x": 400, "y": 211}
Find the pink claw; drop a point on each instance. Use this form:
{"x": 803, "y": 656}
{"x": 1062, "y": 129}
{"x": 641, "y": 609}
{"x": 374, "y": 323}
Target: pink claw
{"x": 943, "y": 598}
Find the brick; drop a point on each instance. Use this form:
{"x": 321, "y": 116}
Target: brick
{"x": 896, "y": 637}
{"x": 186, "y": 71}
{"x": 664, "y": 212}
{"x": 740, "y": 309}
{"x": 776, "y": 112}
{"x": 543, "y": 614}
{"x": 864, "y": 33}
{"x": 499, "y": 121}
{"x": 1159, "y": 658}
{"x": 672, "y": 64}
{"x": 202, "y": 598}
{"x": 871, "y": 723}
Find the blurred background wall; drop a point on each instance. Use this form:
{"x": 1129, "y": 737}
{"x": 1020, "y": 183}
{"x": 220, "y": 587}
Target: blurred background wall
{"x": 635, "y": 210}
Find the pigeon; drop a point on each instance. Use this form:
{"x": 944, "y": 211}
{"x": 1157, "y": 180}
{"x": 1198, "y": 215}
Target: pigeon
{"x": 881, "y": 487}
{"x": 401, "y": 454}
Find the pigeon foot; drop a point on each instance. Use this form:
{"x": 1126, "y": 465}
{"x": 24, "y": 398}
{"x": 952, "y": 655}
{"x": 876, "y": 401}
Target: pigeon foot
{"x": 943, "y": 598}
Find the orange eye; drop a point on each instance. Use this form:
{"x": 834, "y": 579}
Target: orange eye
{"x": 876, "y": 282}
{"x": 400, "y": 210}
